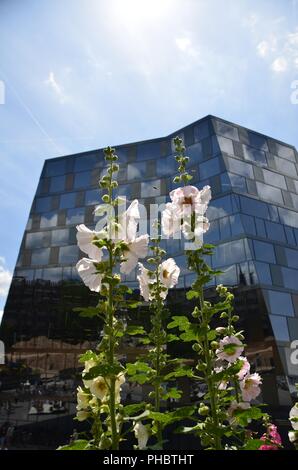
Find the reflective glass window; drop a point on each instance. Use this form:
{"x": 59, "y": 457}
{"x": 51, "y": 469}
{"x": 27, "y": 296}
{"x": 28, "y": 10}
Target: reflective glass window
{"x": 166, "y": 166}
{"x": 292, "y": 258}
{"x": 228, "y": 277}
{"x": 52, "y": 274}
{"x": 239, "y": 167}
{"x": 290, "y": 236}
{"x": 40, "y": 256}
{"x": 194, "y": 152}
{"x": 48, "y": 220}
{"x": 269, "y": 193}
{"x": 288, "y": 217}
{"x": 228, "y": 253}
{"x": 75, "y": 216}
{"x": 294, "y": 200}
{"x": 285, "y": 166}
{"x": 236, "y": 225}
{"x": 274, "y": 178}
{"x": 125, "y": 190}
{"x": 257, "y": 141}
{"x": 148, "y": 150}
{"x": 225, "y": 228}
{"x": 290, "y": 277}
{"x": 209, "y": 168}
{"x": 201, "y": 131}
{"x": 280, "y": 303}
{"x": 225, "y": 145}
{"x": 37, "y": 240}
{"x": 225, "y": 182}
{"x": 275, "y": 231}
{"x": 54, "y": 168}
{"x": 285, "y": 152}
{"x": 43, "y": 204}
{"x": 60, "y": 237}
{"x": 264, "y": 251}
{"x": 93, "y": 197}
{"x": 227, "y": 130}
{"x": 136, "y": 171}
{"x": 248, "y": 223}
{"x": 68, "y": 254}
{"x": 254, "y": 155}
{"x": 28, "y": 274}
{"x": 280, "y": 328}
{"x": 263, "y": 272}
{"x": 253, "y": 207}
{"x": 150, "y": 188}
{"x": 220, "y": 207}
{"x": 212, "y": 235}
{"x": 82, "y": 180}
{"x": 238, "y": 182}
{"x": 57, "y": 184}
{"x": 88, "y": 162}
{"x": 67, "y": 200}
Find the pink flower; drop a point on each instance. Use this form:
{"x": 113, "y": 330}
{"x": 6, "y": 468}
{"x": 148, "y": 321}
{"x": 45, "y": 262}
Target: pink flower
{"x": 230, "y": 348}
{"x": 273, "y": 436}
{"x": 245, "y": 368}
{"x": 192, "y": 197}
{"x": 250, "y": 386}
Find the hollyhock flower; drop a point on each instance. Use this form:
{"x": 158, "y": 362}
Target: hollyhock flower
{"x": 201, "y": 226}
{"x": 137, "y": 248}
{"x": 85, "y": 236}
{"x": 293, "y": 416}
{"x": 126, "y": 227}
{"x": 191, "y": 196}
{"x": 82, "y": 399}
{"x": 144, "y": 282}
{"x": 223, "y": 384}
{"x": 233, "y": 408}
{"x": 82, "y": 415}
{"x": 230, "y": 348}
{"x": 99, "y": 388}
{"x": 170, "y": 220}
{"x": 250, "y": 386}
{"x": 273, "y": 436}
{"x": 169, "y": 273}
{"x": 87, "y": 272}
{"x": 142, "y": 435}
{"x": 245, "y": 367}
{"x": 293, "y": 436}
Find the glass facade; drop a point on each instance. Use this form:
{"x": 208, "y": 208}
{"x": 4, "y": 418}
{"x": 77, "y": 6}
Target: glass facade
{"x": 254, "y": 226}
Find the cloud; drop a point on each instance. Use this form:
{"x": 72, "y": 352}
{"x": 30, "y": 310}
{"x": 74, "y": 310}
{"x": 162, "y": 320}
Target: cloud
{"x": 185, "y": 44}
{"x": 5, "y": 278}
{"x": 52, "y": 83}
{"x": 279, "y": 65}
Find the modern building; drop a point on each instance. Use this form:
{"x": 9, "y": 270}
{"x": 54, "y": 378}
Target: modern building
{"x": 254, "y": 225}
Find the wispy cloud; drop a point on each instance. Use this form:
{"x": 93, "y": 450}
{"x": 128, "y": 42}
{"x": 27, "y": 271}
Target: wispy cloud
{"x": 5, "y": 278}
{"x": 279, "y": 65}
{"x": 185, "y": 45}
{"x": 56, "y": 87}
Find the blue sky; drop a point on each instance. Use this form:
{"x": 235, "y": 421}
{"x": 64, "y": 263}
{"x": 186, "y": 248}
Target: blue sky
{"x": 82, "y": 74}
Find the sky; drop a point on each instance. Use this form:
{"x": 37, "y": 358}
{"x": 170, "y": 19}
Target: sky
{"x": 77, "y": 75}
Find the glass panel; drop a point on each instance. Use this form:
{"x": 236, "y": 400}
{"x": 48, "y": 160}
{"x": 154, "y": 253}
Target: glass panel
{"x": 253, "y": 207}
{"x": 43, "y": 204}
{"x": 228, "y": 253}
{"x": 136, "y": 171}
{"x": 67, "y": 201}
{"x": 48, "y": 220}
{"x": 292, "y": 258}
{"x": 264, "y": 251}
{"x": 148, "y": 150}
{"x": 263, "y": 272}
{"x": 92, "y": 197}
{"x": 279, "y": 303}
{"x": 82, "y": 180}
{"x": 288, "y": 217}
{"x": 28, "y": 274}
{"x": 254, "y": 155}
{"x": 124, "y": 191}
{"x": 290, "y": 236}
{"x": 60, "y": 237}
{"x": 236, "y": 225}
{"x": 201, "y": 131}
{"x": 75, "y": 216}
{"x": 239, "y": 167}
{"x": 294, "y": 200}
{"x": 225, "y": 229}
{"x": 261, "y": 230}
{"x": 225, "y": 145}
{"x": 57, "y": 184}
{"x": 194, "y": 152}
{"x": 229, "y": 277}
{"x": 285, "y": 167}
{"x": 68, "y": 254}
{"x": 57, "y": 167}
{"x": 257, "y": 141}
{"x": 166, "y": 166}
{"x": 269, "y": 193}
{"x": 248, "y": 224}
{"x": 238, "y": 182}
{"x": 280, "y": 328}
{"x": 227, "y": 130}
{"x": 220, "y": 207}
{"x": 209, "y": 168}
{"x": 52, "y": 274}
{"x": 37, "y": 239}
{"x": 150, "y": 188}
{"x": 290, "y": 277}
{"x": 275, "y": 231}
{"x": 274, "y": 178}
{"x": 88, "y": 162}
{"x": 213, "y": 233}
{"x": 40, "y": 256}
{"x": 285, "y": 152}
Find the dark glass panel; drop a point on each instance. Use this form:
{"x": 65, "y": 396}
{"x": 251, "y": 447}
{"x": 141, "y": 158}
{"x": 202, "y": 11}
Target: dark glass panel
{"x": 43, "y": 204}
{"x": 37, "y": 239}
{"x": 264, "y": 251}
{"x": 67, "y": 200}
{"x": 57, "y": 184}
{"x": 82, "y": 180}
{"x": 48, "y": 220}
{"x": 60, "y": 237}
{"x": 40, "y": 257}
{"x": 68, "y": 254}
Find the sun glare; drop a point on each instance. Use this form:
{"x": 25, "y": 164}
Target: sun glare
{"x": 134, "y": 13}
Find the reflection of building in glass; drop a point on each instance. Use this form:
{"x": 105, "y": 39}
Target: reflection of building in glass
{"x": 254, "y": 225}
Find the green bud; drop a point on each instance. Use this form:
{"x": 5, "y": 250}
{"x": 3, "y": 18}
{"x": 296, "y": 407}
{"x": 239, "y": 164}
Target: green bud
{"x": 204, "y": 410}
{"x": 235, "y": 318}
{"x": 214, "y": 344}
{"x": 115, "y": 167}
{"x": 177, "y": 179}
{"x": 114, "y": 184}
{"x": 224, "y": 315}
{"x": 106, "y": 198}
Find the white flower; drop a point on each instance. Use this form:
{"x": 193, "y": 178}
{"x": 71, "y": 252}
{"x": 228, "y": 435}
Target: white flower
{"x": 170, "y": 220}
{"x": 293, "y": 436}
{"x": 142, "y": 435}
{"x": 245, "y": 367}
{"x": 169, "y": 273}
{"x": 223, "y": 384}
{"x": 126, "y": 227}
{"x": 235, "y": 406}
{"x": 87, "y": 272}
{"x": 144, "y": 281}
{"x": 294, "y": 417}
{"x": 192, "y": 197}
{"x": 82, "y": 415}
{"x": 85, "y": 236}
{"x": 82, "y": 399}
{"x": 137, "y": 248}
{"x": 99, "y": 388}
{"x": 230, "y": 348}
{"x": 250, "y": 386}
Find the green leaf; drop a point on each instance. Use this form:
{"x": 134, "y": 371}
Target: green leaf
{"x": 171, "y": 417}
{"x": 135, "y": 330}
{"x": 137, "y": 367}
{"x": 172, "y": 393}
{"x": 253, "y": 444}
{"x": 180, "y": 322}
{"x": 103, "y": 370}
{"x": 181, "y": 372}
{"x": 130, "y": 410}
{"x": 89, "y": 312}
{"x": 87, "y": 356}
{"x": 80, "y": 444}
{"x": 192, "y": 294}
{"x": 171, "y": 338}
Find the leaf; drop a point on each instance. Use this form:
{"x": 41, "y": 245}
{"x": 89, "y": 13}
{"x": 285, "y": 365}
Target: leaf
{"x": 88, "y": 312}
{"x": 173, "y": 393}
{"x": 132, "y": 303}
{"x": 171, "y": 417}
{"x": 133, "y": 409}
{"x": 103, "y": 370}
{"x": 80, "y": 444}
{"x": 192, "y": 294}
{"x": 171, "y": 338}
{"x": 87, "y": 356}
{"x": 197, "y": 427}
{"x": 135, "y": 330}
{"x": 180, "y": 322}
{"x": 181, "y": 372}
{"x": 253, "y": 444}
